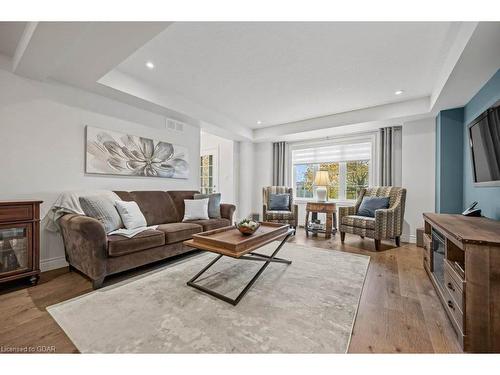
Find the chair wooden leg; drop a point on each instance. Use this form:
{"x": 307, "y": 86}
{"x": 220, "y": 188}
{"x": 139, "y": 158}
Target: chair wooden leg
{"x": 377, "y": 245}
{"x": 342, "y": 237}
{"x": 398, "y": 241}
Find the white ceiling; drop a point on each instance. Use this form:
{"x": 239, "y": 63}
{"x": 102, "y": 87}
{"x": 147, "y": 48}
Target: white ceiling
{"x": 10, "y": 33}
{"x": 223, "y": 77}
{"x": 284, "y": 72}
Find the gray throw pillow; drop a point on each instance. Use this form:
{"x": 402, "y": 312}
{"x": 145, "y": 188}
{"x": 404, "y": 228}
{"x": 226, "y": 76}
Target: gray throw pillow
{"x": 279, "y": 202}
{"x": 102, "y": 209}
{"x": 369, "y": 205}
{"x": 213, "y": 204}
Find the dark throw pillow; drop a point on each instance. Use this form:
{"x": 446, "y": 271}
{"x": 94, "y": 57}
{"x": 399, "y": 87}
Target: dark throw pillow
{"x": 213, "y": 204}
{"x": 370, "y": 204}
{"x": 279, "y": 202}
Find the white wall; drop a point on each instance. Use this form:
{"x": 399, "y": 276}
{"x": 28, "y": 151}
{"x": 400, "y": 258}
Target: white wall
{"x": 236, "y": 174}
{"x": 263, "y": 173}
{"x": 226, "y": 164}
{"x": 418, "y": 173}
{"x": 43, "y": 149}
{"x": 247, "y": 183}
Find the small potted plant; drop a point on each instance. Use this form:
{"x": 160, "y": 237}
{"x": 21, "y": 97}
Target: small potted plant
{"x": 247, "y": 227}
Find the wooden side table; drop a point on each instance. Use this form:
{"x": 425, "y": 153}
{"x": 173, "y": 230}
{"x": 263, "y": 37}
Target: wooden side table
{"x": 330, "y": 209}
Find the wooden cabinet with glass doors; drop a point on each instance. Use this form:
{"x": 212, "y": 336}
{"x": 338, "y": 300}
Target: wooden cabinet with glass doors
{"x": 19, "y": 240}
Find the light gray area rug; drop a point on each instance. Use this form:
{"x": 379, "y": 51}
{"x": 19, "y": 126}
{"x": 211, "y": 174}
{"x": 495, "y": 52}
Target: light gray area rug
{"x": 306, "y": 307}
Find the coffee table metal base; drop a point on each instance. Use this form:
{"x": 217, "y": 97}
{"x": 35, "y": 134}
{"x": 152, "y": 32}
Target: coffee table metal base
{"x": 267, "y": 259}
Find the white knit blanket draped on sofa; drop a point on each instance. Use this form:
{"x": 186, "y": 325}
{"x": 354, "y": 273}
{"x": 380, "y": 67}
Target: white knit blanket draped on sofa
{"x": 69, "y": 203}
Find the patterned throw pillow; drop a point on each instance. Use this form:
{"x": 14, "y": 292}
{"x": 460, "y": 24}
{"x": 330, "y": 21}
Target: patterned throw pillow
{"x": 213, "y": 204}
{"x": 279, "y": 202}
{"x": 369, "y": 205}
{"x": 102, "y": 209}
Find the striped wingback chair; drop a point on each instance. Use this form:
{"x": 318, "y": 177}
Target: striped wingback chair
{"x": 286, "y": 217}
{"x": 387, "y": 223}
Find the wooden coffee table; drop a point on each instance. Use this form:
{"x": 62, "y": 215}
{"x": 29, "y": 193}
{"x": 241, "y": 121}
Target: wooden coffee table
{"x": 230, "y": 242}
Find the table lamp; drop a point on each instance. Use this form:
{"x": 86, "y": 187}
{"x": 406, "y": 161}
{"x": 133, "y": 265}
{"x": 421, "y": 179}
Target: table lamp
{"x": 321, "y": 180}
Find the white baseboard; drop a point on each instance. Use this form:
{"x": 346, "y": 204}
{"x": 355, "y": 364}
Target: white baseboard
{"x": 409, "y": 238}
{"x": 53, "y": 263}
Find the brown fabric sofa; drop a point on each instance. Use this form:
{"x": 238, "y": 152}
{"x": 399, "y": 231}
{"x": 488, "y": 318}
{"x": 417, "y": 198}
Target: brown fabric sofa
{"x": 92, "y": 252}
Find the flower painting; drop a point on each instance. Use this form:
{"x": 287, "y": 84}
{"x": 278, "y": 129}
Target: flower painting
{"x": 110, "y": 152}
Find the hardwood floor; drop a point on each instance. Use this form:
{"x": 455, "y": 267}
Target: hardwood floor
{"x": 399, "y": 311}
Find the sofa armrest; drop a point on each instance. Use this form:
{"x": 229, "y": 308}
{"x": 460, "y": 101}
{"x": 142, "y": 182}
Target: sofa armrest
{"x": 385, "y": 223}
{"x": 345, "y": 211}
{"x": 389, "y": 221}
{"x": 295, "y": 210}
{"x": 227, "y": 211}
{"x": 85, "y": 244}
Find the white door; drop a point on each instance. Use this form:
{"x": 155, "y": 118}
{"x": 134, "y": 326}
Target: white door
{"x": 209, "y": 171}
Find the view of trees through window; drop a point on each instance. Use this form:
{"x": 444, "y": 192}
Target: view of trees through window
{"x": 356, "y": 177}
{"x": 306, "y": 183}
{"x": 346, "y": 178}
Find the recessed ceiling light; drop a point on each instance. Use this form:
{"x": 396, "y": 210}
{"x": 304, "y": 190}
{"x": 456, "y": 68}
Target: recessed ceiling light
{"x": 398, "y": 92}
{"x": 150, "y": 65}
{"x": 259, "y": 122}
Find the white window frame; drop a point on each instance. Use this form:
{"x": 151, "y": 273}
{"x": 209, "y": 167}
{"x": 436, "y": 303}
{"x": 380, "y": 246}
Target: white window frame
{"x": 214, "y": 151}
{"x": 371, "y": 137}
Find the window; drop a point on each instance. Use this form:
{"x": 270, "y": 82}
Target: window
{"x": 356, "y": 177}
{"x": 348, "y": 167}
{"x": 206, "y": 174}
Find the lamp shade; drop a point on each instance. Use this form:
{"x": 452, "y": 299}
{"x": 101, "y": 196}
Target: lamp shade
{"x": 321, "y": 178}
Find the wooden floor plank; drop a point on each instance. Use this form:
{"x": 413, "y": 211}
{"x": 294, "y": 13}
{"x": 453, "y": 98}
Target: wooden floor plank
{"x": 399, "y": 311}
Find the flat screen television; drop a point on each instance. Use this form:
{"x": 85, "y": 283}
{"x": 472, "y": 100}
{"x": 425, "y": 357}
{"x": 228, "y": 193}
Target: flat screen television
{"x": 484, "y": 142}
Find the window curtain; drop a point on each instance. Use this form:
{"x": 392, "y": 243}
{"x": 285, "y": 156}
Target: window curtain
{"x": 279, "y": 164}
{"x": 390, "y": 156}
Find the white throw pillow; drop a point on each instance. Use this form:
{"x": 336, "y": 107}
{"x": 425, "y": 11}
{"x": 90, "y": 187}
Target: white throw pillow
{"x": 131, "y": 214}
{"x": 195, "y": 209}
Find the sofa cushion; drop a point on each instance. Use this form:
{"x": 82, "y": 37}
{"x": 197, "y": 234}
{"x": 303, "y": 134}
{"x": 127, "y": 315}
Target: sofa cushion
{"x": 279, "y": 215}
{"x": 370, "y": 204}
{"x": 279, "y": 202}
{"x": 212, "y": 223}
{"x": 178, "y": 197}
{"x": 124, "y": 195}
{"x": 195, "y": 209}
{"x": 131, "y": 214}
{"x": 213, "y": 204}
{"x": 358, "y": 221}
{"x": 103, "y": 209}
{"x": 120, "y": 245}
{"x": 176, "y": 232}
{"x": 157, "y": 206}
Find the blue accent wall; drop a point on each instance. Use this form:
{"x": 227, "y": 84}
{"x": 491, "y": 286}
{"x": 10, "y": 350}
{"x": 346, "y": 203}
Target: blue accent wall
{"x": 449, "y": 161}
{"x": 488, "y": 197}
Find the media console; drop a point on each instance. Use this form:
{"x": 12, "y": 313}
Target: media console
{"x": 462, "y": 259}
